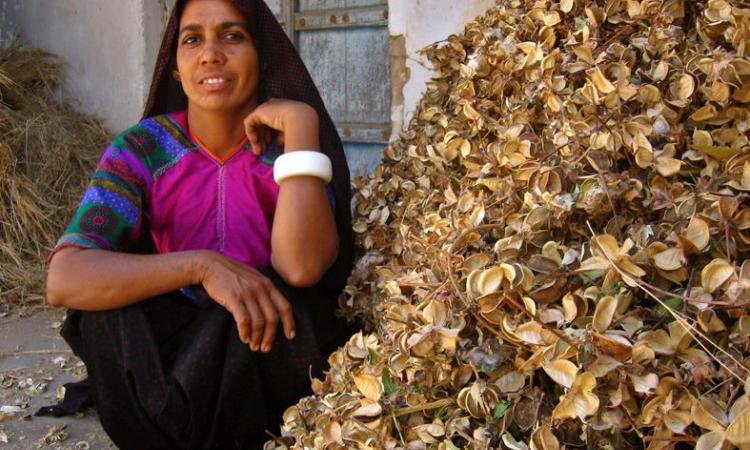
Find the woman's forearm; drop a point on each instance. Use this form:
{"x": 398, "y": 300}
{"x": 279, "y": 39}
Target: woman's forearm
{"x": 99, "y": 280}
{"x": 304, "y": 242}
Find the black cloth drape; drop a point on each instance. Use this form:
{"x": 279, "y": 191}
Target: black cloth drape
{"x": 166, "y": 374}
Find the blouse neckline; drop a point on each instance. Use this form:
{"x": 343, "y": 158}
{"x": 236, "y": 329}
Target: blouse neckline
{"x": 179, "y": 118}
{"x": 211, "y": 155}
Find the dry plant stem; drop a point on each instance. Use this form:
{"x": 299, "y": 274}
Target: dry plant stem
{"x": 679, "y": 296}
{"x": 688, "y": 288}
{"x": 627, "y": 29}
{"x": 553, "y": 152}
{"x": 604, "y": 122}
{"x": 485, "y": 324}
{"x": 346, "y": 405}
{"x": 431, "y": 405}
{"x": 409, "y": 284}
{"x": 692, "y": 331}
{"x": 632, "y": 423}
{"x": 726, "y": 240}
{"x": 734, "y": 394}
{"x": 718, "y": 385}
{"x": 398, "y": 429}
{"x": 275, "y": 438}
{"x": 33, "y": 352}
{"x": 670, "y": 439}
{"x": 14, "y": 369}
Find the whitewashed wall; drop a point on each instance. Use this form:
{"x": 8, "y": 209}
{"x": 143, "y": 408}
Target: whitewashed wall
{"x": 109, "y": 48}
{"x": 421, "y": 23}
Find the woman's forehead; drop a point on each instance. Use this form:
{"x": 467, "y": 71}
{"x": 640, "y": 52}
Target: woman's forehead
{"x": 211, "y": 13}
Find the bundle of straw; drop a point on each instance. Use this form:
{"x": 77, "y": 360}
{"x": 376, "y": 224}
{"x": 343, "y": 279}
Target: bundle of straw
{"x": 47, "y": 154}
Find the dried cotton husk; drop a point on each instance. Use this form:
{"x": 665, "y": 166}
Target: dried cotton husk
{"x": 562, "y": 261}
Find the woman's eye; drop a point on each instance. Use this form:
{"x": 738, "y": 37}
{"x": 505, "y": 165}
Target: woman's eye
{"x": 233, "y": 36}
{"x": 190, "y": 40}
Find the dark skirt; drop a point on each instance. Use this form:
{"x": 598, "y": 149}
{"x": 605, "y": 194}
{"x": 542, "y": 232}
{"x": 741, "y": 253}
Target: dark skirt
{"x": 166, "y": 374}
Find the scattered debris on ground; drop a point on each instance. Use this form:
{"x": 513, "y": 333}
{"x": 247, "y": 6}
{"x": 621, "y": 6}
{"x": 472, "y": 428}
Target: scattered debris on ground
{"x": 555, "y": 249}
{"x": 35, "y": 363}
{"x": 47, "y": 154}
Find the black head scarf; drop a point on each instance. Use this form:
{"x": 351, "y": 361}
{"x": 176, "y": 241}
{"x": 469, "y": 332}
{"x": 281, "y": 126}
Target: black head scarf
{"x": 283, "y": 75}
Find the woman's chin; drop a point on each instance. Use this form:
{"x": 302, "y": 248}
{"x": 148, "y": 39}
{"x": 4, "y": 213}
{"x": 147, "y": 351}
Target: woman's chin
{"x": 221, "y": 105}
{"x": 219, "y": 102}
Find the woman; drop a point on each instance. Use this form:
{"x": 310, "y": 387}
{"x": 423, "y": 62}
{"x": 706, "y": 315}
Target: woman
{"x": 185, "y": 256}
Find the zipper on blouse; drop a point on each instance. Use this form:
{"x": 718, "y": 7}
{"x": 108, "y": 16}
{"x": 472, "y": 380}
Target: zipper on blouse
{"x": 221, "y": 219}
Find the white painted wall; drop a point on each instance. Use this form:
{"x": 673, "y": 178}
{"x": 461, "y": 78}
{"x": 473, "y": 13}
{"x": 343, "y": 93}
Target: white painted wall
{"x": 423, "y": 22}
{"x": 109, "y": 48}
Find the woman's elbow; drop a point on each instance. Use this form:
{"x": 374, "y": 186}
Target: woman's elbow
{"x": 305, "y": 270}
{"x": 56, "y": 278}
{"x": 55, "y": 296}
{"x": 297, "y": 275}
{"x": 298, "y": 272}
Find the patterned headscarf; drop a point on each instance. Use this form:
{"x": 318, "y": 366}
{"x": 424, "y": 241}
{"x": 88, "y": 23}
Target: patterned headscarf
{"x": 283, "y": 75}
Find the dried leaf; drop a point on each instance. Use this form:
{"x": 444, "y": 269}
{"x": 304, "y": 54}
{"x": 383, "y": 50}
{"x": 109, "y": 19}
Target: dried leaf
{"x": 368, "y": 386}
{"x": 332, "y": 434}
{"x": 714, "y": 440}
{"x": 670, "y": 259}
{"x": 600, "y": 81}
{"x": 715, "y": 273}
{"x": 604, "y": 312}
{"x": 738, "y": 432}
{"x": 698, "y": 233}
{"x": 562, "y": 371}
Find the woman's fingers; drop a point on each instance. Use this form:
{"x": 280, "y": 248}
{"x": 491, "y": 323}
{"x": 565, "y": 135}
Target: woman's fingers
{"x": 274, "y": 114}
{"x": 253, "y": 130}
{"x": 266, "y": 136}
{"x": 242, "y": 318}
{"x": 271, "y": 320}
{"x": 286, "y": 314}
{"x": 253, "y": 300}
{"x": 258, "y": 324}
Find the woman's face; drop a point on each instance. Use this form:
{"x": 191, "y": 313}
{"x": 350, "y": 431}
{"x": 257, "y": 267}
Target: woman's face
{"x": 216, "y": 59}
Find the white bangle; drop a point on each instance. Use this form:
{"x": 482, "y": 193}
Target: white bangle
{"x": 302, "y": 163}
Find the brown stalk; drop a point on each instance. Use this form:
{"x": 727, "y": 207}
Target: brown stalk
{"x": 423, "y": 407}
{"x": 670, "y": 439}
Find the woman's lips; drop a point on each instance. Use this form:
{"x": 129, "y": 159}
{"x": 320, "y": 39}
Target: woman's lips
{"x": 215, "y": 83}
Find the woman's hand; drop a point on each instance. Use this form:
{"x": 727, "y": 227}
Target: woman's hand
{"x": 250, "y": 297}
{"x": 296, "y": 122}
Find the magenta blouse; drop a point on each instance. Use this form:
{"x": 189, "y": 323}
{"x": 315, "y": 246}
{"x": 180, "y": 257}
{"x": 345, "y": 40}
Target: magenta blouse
{"x": 155, "y": 178}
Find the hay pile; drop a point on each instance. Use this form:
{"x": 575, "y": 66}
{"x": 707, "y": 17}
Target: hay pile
{"x": 556, "y": 248}
{"x": 47, "y": 154}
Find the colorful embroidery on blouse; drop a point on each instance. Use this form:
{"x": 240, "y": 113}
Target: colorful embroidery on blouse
{"x": 154, "y": 173}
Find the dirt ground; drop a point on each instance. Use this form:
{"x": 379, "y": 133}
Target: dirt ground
{"x": 34, "y": 364}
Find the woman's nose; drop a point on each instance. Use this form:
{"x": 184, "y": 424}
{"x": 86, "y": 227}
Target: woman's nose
{"x": 212, "y": 54}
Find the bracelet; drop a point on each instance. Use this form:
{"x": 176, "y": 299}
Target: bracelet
{"x": 302, "y": 163}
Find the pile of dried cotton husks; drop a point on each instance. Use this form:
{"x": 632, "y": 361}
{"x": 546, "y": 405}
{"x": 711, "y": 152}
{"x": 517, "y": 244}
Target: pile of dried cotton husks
{"x": 555, "y": 251}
